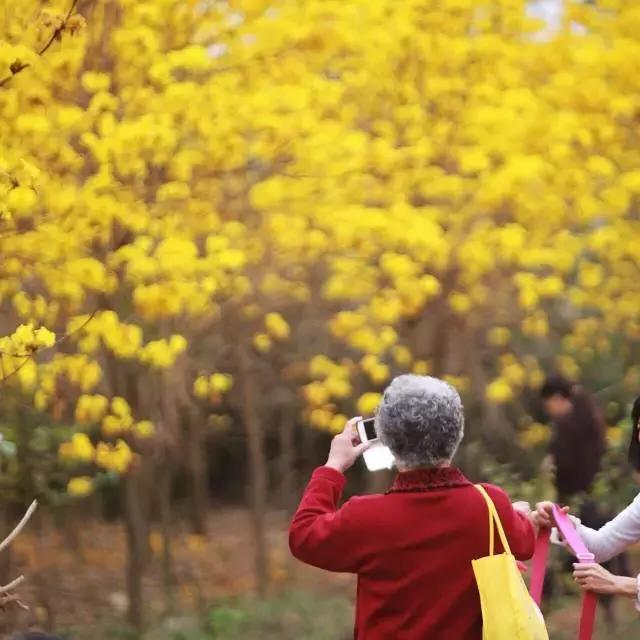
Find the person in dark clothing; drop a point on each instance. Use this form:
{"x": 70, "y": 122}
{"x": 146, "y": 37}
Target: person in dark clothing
{"x": 578, "y": 441}
{"x": 577, "y": 446}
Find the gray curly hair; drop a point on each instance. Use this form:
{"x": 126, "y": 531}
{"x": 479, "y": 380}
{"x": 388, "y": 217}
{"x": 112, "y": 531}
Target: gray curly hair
{"x": 421, "y": 419}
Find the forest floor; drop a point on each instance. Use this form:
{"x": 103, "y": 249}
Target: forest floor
{"x": 75, "y": 585}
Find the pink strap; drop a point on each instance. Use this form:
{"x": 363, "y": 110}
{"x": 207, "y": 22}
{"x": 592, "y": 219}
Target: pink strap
{"x": 575, "y": 543}
{"x": 588, "y": 615}
{"x": 539, "y": 565}
{"x": 569, "y": 533}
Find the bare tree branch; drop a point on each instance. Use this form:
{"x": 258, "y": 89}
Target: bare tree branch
{"x": 56, "y": 33}
{"x": 12, "y": 585}
{"x": 19, "y": 527}
{"x": 7, "y": 597}
{"x": 6, "y": 376}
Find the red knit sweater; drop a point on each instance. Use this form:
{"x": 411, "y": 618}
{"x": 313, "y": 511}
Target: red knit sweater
{"x": 411, "y": 549}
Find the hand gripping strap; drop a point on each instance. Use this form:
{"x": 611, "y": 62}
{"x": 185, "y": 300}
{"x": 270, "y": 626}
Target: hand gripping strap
{"x": 575, "y": 543}
{"x": 579, "y": 549}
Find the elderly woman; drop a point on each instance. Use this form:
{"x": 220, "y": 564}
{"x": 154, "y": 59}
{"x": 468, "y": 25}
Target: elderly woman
{"x": 411, "y": 547}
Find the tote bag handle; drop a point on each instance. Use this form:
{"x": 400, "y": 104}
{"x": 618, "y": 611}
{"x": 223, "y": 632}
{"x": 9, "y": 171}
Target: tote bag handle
{"x": 494, "y": 519}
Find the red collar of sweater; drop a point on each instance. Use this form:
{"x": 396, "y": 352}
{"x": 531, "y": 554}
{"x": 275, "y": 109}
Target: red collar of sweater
{"x": 429, "y": 479}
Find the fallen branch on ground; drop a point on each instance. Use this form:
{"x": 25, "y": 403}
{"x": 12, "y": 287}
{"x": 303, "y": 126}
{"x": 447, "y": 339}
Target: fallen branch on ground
{"x": 7, "y": 595}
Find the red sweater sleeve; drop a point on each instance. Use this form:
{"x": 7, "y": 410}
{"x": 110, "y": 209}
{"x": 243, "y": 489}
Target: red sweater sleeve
{"x": 321, "y": 534}
{"x": 517, "y": 527}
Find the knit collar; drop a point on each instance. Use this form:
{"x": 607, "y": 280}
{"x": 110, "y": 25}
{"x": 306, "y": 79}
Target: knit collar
{"x": 429, "y": 479}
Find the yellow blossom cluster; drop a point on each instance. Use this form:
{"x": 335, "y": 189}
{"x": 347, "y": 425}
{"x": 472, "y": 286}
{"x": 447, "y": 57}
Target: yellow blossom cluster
{"x": 275, "y": 328}
{"x": 421, "y": 186}
{"x": 119, "y": 421}
{"x": 27, "y": 339}
{"x": 330, "y": 386}
{"x": 116, "y": 457}
{"x": 80, "y": 487}
{"x": 213, "y": 385}
{"x": 113, "y": 457}
{"x": 78, "y": 449}
{"x": 17, "y": 350}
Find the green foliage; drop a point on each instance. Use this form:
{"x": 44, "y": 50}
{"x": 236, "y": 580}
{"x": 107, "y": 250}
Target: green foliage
{"x": 615, "y": 484}
{"x": 290, "y": 615}
{"x": 510, "y": 476}
{"x": 226, "y": 620}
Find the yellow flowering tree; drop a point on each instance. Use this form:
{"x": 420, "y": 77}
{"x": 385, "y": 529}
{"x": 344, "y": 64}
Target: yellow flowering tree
{"x": 259, "y": 209}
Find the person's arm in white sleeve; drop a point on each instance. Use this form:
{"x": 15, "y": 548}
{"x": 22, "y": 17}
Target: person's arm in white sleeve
{"x": 615, "y": 536}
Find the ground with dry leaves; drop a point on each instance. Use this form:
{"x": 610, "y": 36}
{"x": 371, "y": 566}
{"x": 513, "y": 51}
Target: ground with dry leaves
{"x": 75, "y": 581}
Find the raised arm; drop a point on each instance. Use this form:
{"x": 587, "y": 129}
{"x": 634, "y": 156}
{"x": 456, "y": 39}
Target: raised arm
{"x": 321, "y": 534}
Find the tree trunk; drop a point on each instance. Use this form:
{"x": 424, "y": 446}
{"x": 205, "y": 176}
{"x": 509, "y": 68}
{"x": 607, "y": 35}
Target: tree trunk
{"x": 164, "y": 498}
{"x": 197, "y": 475}
{"x": 286, "y": 435}
{"x": 288, "y": 480}
{"x": 257, "y": 471}
{"x": 136, "y": 534}
{"x": 6, "y": 557}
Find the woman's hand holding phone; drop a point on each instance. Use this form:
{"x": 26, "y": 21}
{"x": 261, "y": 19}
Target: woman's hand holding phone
{"x": 346, "y": 447}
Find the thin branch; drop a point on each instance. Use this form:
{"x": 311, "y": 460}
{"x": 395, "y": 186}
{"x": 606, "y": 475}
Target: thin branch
{"x": 8, "y": 376}
{"x": 60, "y": 340}
{"x": 12, "y": 598}
{"x": 56, "y": 33}
{"x": 12, "y": 585}
{"x": 17, "y": 66}
{"x": 19, "y": 527}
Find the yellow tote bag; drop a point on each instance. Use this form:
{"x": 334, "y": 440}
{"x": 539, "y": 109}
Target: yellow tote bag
{"x": 508, "y": 611}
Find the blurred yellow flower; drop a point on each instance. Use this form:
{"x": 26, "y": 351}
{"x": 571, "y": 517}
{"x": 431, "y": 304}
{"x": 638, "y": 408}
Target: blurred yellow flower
{"x": 262, "y": 342}
{"x": 368, "y": 403}
{"x": 534, "y": 435}
{"x": 277, "y": 326}
{"x": 120, "y": 407}
{"x": 401, "y": 355}
{"x": 79, "y": 449}
{"x": 338, "y": 423}
{"x": 201, "y": 387}
{"x": 144, "y": 429}
{"x": 116, "y": 457}
{"x": 90, "y": 408}
{"x": 80, "y": 487}
{"x": 321, "y": 418}
{"x": 220, "y": 382}
{"x": 499, "y": 336}
{"x": 421, "y": 368}
{"x": 499, "y": 391}
{"x": 614, "y": 436}
{"x": 316, "y": 394}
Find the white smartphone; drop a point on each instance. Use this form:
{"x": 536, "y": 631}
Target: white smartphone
{"x": 377, "y": 456}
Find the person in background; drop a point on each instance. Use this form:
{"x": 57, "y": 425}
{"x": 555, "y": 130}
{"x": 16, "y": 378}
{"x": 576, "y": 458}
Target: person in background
{"x": 578, "y": 441}
{"x": 412, "y": 546}
{"x": 609, "y": 541}
{"x": 577, "y": 447}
